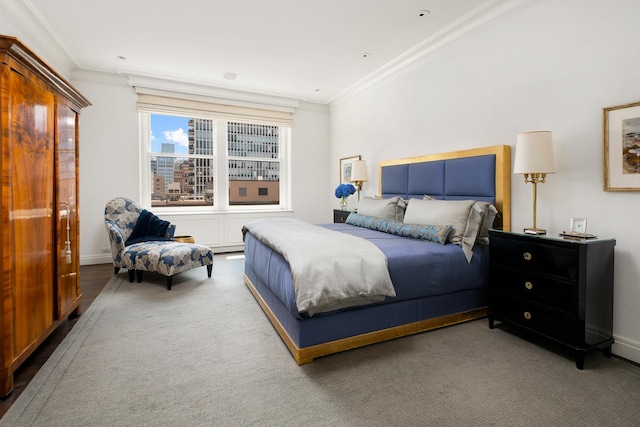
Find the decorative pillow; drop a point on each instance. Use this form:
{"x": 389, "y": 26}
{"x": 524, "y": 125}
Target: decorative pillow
{"x": 392, "y": 208}
{"x": 433, "y": 233}
{"x": 488, "y": 213}
{"x": 454, "y": 212}
{"x": 148, "y": 227}
{"x": 488, "y": 217}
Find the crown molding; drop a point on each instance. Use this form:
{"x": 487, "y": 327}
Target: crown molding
{"x": 37, "y": 34}
{"x": 101, "y": 77}
{"x": 480, "y": 17}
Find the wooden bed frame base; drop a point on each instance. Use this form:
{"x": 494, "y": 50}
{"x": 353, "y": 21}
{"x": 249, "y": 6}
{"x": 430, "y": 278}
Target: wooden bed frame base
{"x": 307, "y": 354}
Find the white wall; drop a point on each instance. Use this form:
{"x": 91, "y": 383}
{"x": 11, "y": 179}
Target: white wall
{"x": 310, "y": 164}
{"x": 110, "y": 166}
{"x": 553, "y": 65}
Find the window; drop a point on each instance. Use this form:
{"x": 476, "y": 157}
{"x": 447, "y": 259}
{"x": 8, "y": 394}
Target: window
{"x": 254, "y": 161}
{"x": 213, "y": 163}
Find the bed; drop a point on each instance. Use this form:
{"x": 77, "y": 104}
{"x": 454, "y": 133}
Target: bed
{"x": 436, "y": 285}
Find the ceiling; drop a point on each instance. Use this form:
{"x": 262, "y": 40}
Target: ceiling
{"x": 303, "y": 49}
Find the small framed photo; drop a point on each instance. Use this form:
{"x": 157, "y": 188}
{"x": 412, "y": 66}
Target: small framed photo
{"x": 346, "y": 165}
{"x": 578, "y": 225}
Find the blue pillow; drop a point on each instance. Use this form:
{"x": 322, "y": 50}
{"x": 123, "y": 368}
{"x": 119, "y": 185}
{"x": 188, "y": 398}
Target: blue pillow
{"x": 148, "y": 227}
{"x": 433, "y": 233}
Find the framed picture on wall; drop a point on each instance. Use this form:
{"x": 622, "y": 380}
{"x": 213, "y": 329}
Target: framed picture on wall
{"x": 621, "y": 147}
{"x": 345, "y": 169}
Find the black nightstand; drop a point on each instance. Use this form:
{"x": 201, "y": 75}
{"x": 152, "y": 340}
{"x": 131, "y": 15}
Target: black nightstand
{"x": 557, "y": 288}
{"x": 340, "y": 216}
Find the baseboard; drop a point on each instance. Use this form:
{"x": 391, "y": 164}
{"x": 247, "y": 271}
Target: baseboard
{"x": 96, "y": 259}
{"x": 626, "y": 348}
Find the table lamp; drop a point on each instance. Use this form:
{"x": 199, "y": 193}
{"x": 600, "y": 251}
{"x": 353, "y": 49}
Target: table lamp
{"x": 534, "y": 159}
{"x": 359, "y": 174}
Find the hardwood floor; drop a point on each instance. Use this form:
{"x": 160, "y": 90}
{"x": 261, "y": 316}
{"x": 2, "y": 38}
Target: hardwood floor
{"x": 92, "y": 281}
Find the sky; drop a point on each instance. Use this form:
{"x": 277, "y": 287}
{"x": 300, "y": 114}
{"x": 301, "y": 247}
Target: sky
{"x": 172, "y": 129}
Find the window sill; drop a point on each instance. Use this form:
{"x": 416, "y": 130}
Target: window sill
{"x": 174, "y": 212}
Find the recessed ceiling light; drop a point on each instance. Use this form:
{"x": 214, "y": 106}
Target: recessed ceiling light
{"x": 424, "y": 13}
{"x": 366, "y": 55}
{"x": 121, "y": 57}
{"x": 230, "y": 76}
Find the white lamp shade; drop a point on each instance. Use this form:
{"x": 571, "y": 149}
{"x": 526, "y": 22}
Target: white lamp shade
{"x": 359, "y": 171}
{"x": 534, "y": 153}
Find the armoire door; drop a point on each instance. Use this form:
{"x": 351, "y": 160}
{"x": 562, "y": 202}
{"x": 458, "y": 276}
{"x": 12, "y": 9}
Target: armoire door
{"x": 68, "y": 288}
{"x": 31, "y": 205}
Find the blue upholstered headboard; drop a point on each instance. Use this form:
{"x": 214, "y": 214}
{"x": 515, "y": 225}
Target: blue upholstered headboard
{"x": 477, "y": 174}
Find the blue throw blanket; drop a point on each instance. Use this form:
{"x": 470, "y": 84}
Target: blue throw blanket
{"x": 148, "y": 228}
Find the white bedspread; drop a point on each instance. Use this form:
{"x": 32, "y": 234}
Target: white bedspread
{"x": 330, "y": 270}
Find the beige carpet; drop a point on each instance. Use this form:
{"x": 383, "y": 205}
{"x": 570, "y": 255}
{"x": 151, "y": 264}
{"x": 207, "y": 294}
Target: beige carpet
{"x": 205, "y": 354}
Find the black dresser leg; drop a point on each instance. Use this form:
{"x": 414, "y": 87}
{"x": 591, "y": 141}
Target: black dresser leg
{"x": 580, "y": 359}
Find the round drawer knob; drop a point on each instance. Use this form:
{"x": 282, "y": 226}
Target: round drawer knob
{"x": 528, "y": 285}
{"x": 527, "y": 315}
{"x": 527, "y": 256}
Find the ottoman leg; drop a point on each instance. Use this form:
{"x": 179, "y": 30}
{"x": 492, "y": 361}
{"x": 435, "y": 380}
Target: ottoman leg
{"x": 209, "y": 268}
{"x": 139, "y": 275}
{"x": 131, "y": 273}
{"x": 169, "y": 280}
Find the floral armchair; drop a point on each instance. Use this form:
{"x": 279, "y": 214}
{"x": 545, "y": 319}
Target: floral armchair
{"x": 158, "y": 254}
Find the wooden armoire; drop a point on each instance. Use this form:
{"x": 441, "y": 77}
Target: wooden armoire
{"x": 39, "y": 238}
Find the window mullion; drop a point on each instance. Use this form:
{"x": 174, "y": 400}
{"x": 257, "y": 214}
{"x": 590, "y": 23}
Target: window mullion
{"x": 221, "y": 183}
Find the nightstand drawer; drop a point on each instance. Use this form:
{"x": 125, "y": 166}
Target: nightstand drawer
{"x": 534, "y": 317}
{"x": 528, "y": 256}
{"x": 340, "y": 216}
{"x": 537, "y": 288}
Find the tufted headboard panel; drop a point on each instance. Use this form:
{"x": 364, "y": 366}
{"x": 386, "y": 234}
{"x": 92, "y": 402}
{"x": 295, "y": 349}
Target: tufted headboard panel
{"x": 477, "y": 174}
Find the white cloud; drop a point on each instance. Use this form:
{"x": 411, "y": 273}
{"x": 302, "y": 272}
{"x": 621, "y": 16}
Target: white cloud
{"x": 177, "y": 136}
{"x": 153, "y": 137}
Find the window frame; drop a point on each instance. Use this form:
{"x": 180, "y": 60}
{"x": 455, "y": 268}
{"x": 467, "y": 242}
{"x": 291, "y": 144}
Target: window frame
{"x": 221, "y": 167}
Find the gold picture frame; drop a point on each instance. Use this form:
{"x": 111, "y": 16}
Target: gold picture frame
{"x": 621, "y": 147}
{"x": 345, "y": 168}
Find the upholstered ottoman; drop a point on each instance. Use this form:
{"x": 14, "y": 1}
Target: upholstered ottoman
{"x": 169, "y": 258}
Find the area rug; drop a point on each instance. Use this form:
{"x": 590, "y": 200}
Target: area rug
{"x": 205, "y": 354}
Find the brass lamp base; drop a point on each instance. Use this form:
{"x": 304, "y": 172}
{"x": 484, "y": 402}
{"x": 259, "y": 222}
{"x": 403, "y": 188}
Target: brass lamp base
{"x": 535, "y": 230}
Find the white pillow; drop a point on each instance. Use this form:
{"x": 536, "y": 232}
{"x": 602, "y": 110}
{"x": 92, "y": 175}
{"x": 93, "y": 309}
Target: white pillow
{"x": 439, "y": 212}
{"x": 488, "y": 217}
{"x": 392, "y": 208}
{"x": 466, "y": 220}
{"x": 488, "y": 214}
